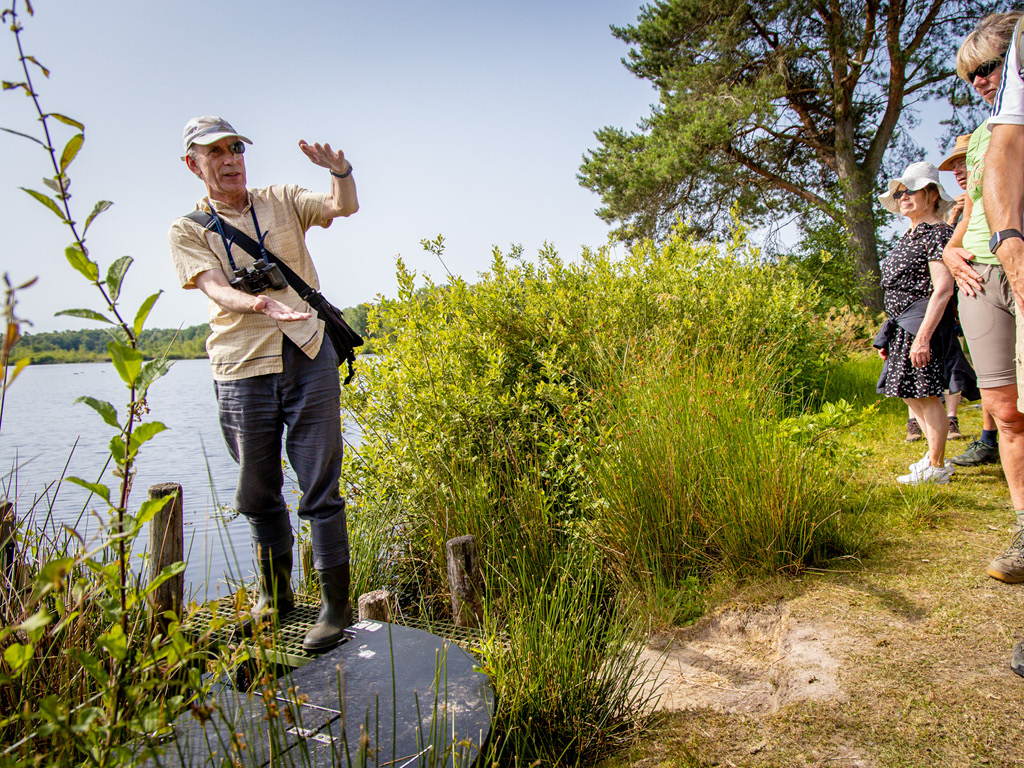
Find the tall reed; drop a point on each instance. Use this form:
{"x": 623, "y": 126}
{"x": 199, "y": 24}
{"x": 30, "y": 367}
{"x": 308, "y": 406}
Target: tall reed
{"x": 700, "y": 479}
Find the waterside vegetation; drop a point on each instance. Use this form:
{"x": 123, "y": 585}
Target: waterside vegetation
{"x": 626, "y": 437}
{"x": 89, "y": 345}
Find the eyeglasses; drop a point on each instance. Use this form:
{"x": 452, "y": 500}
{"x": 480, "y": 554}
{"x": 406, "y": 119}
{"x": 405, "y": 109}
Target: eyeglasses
{"x": 902, "y": 192}
{"x": 984, "y": 70}
{"x": 235, "y": 148}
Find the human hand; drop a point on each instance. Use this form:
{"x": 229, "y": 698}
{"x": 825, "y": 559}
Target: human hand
{"x": 324, "y": 156}
{"x": 956, "y": 261}
{"x": 883, "y": 353}
{"x": 958, "y": 208}
{"x": 920, "y": 351}
{"x": 277, "y": 310}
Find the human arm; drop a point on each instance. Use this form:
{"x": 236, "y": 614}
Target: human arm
{"x": 942, "y": 290}
{"x": 214, "y": 283}
{"x": 956, "y": 257}
{"x": 1003, "y": 195}
{"x": 343, "y": 200}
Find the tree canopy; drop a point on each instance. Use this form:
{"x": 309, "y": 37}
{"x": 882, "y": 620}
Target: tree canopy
{"x": 777, "y": 107}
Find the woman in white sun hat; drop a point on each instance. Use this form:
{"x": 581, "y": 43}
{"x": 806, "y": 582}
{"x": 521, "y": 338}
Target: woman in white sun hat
{"x": 916, "y": 341}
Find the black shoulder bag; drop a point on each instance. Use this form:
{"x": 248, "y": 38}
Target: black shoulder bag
{"x": 344, "y": 339}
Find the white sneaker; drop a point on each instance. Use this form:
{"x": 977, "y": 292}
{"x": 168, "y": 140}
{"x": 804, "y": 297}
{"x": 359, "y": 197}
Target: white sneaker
{"x": 923, "y": 463}
{"x": 930, "y": 474}
{"x": 919, "y": 465}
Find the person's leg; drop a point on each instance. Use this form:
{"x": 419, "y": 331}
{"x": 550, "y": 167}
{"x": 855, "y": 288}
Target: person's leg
{"x": 913, "y": 427}
{"x": 251, "y": 424}
{"x": 932, "y": 416}
{"x": 988, "y": 424}
{"x": 952, "y": 403}
{"x": 1001, "y": 403}
{"x": 310, "y": 394}
{"x": 311, "y": 391}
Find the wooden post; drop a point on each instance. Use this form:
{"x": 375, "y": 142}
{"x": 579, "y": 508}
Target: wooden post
{"x": 466, "y": 581}
{"x": 166, "y": 547}
{"x": 306, "y": 565}
{"x": 375, "y": 606}
{"x": 8, "y": 547}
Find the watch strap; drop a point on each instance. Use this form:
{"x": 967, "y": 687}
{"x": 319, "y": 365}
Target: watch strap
{"x": 1003, "y": 234}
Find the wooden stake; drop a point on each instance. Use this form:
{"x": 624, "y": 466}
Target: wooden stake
{"x": 166, "y": 547}
{"x": 375, "y": 606}
{"x": 466, "y": 581}
{"x": 8, "y": 547}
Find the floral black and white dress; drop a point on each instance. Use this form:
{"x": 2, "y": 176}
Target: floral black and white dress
{"x": 905, "y": 280}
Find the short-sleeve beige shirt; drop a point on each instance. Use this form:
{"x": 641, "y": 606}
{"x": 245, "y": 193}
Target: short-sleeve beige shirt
{"x": 245, "y": 345}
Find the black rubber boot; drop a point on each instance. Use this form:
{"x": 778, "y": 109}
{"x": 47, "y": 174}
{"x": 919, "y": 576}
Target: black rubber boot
{"x": 335, "y": 610}
{"x": 275, "y": 590}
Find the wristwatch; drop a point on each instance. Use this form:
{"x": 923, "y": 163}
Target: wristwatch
{"x": 1001, "y": 235}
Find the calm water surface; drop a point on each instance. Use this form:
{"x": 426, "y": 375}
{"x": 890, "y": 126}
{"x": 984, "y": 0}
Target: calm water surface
{"x": 44, "y": 431}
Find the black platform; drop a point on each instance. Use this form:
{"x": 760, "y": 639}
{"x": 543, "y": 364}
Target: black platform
{"x": 410, "y": 699}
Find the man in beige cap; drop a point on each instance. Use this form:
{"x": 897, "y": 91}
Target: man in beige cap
{"x": 273, "y": 365}
{"x": 957, "y": 163}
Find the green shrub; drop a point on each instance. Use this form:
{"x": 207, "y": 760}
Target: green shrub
{"x": 484, "y": 409}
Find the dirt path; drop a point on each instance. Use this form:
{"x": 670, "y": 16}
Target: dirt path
{"x": 903, "y": 661}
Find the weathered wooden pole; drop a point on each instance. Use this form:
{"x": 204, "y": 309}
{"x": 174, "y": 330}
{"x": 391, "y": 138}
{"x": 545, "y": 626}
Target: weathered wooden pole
{"x": 466, "y": 581}
{"x": 166, "y": 547}
{"x": 375, "y": 606}
{"x": 8, "y": 547}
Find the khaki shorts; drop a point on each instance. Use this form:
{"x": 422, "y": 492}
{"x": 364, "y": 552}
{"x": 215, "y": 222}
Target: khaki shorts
{"x": 990, "y": 324}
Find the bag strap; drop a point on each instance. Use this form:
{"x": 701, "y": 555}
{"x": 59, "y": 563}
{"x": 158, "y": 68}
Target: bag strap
{"x": 314, "y": 298}
{"x": 250, "y": 246}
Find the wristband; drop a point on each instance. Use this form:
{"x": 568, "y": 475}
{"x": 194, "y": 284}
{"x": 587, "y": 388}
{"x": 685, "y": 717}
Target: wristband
{"x": 1000, "y": 236}
{"x": 344, "y": 175}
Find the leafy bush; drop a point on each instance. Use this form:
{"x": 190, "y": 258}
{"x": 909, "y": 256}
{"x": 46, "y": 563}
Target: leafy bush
{"x": 528, "y": 409}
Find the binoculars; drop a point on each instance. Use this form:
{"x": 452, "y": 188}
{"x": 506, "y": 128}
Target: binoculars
{"x": 258, "y": 278}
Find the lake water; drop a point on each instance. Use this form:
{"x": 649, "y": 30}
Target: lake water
{"x": 44, "y": 431}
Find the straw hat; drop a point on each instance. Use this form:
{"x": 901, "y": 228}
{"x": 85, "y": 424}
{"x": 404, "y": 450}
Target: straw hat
{"x": 959, "y": 150}
{"x": 917, "y": 176}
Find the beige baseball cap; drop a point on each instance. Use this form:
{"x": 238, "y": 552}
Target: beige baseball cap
{"x": 208, "y": 129}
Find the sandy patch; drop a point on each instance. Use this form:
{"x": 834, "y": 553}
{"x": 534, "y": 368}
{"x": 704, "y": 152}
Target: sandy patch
{"x": 745, "y": 661}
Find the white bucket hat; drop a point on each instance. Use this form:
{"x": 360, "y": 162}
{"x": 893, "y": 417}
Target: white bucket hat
{"x": 917, "y": 176}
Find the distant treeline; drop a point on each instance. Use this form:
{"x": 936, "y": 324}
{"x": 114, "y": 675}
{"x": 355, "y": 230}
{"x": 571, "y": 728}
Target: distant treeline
{"x": 86, "y": 346}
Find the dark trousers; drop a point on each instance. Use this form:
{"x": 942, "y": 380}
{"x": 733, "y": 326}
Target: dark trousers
{"x": 253, "y": 414}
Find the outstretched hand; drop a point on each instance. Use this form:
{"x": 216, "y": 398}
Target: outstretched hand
{"x": 277, "y": 310}
{"x": 324, "y": 156}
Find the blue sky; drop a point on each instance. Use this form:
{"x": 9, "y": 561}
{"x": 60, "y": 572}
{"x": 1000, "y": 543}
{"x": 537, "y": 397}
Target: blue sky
{"x": 467, "y": 119}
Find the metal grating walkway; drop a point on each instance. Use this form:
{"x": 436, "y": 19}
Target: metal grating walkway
{"x": 220, "y": 622}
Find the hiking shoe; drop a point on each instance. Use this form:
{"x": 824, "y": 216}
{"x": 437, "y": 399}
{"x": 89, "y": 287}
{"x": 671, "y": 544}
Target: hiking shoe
{"x": 1009, "y": 566}
{"x": 930, "y": 474}
{"x": 1017, "y": 659}
{"x": 979, "y": 452}
{"x": 913, "y": 431}
{"x": 954, "y": 429}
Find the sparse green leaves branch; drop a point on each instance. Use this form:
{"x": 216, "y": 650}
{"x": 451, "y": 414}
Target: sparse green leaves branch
{"x": 64, "y": 600}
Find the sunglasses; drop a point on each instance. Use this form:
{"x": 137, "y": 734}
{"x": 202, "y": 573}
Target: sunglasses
{"x": 902, "y": 192}
{"x": 984, "y": 70}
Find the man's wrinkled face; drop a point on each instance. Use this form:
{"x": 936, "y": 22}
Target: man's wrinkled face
{"x": 221, "y": 166}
